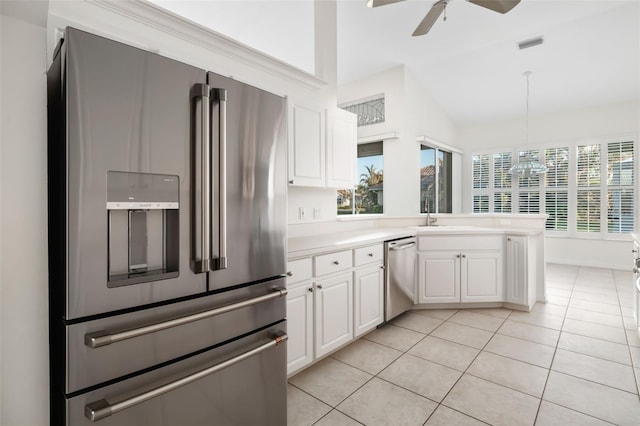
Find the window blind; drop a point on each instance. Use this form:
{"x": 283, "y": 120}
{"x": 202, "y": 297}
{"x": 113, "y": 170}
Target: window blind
{"x": 481, "y": 171}
{"x": 481, "y": 204}
{"x": 620, "y": 190}
{"x": 557, "y": 207}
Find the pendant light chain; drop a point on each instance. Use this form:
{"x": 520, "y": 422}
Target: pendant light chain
{"x": 528, "y": 166}
{"x": 527, "y": 74}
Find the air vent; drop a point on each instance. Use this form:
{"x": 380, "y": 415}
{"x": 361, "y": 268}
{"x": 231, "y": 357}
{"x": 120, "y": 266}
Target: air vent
{"x": 530, "y": 43}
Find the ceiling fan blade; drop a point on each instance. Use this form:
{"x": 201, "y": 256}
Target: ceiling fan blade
{"x": 501, "y": 6}
{"x": 376, "y": 3}
{"x": 430, "y": 18}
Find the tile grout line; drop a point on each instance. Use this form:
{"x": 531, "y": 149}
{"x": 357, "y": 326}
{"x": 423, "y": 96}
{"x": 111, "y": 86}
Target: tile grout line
{"x": 574, "y": 288}
{"x": 633, "y": 366}
{"x": 555, "y": 350}
{"x": 581, "y": 378}
{"x": 465, "y": 371}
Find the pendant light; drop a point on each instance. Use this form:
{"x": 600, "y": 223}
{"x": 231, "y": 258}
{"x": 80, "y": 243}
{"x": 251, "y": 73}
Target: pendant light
{"x": 527, "y": 166}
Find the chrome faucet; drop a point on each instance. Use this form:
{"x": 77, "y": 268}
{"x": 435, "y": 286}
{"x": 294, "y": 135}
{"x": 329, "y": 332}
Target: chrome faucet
{"x": 430, "y": 221}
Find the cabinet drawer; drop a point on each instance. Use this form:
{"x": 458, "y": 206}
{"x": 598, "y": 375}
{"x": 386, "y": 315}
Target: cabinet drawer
{"x": 298, "y": 270}
{"x": 460, "y": 242}
{"x": 333, "y": 262}
{"x": 369, "y": 254}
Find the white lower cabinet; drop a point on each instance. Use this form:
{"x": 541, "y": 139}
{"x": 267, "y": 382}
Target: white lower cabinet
{"x": 333, "y": 312}
{"x": 369, "y": 298}
{"x": 520, "y": 270}
{"x": 439, "y": 277}
{"x": 299, "y": 326}
{"x": 332, "y": 298}
{"x": 481, "y": 277}
{"x": 463, "y": 272}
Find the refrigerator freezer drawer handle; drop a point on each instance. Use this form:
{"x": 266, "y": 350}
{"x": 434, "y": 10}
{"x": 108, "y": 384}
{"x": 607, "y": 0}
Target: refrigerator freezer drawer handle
{"x": 202, "y": 255}
{"x": 220, "y": 95}
{"x": 102, "y": 338}
{"x": 100, "y": 409}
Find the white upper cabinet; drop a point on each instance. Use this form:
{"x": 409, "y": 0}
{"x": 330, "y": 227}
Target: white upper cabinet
{"x": 342, "y": 139}
{"x": 319, "y": 158}
{"x": 306, "y": 145}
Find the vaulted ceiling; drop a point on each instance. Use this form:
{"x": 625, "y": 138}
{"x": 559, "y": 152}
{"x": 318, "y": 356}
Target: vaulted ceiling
{"x": 470, "y": 63}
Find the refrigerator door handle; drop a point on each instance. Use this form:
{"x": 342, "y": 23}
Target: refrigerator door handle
{"x": 202, "y": 186}
{"x": 102, "y": 408}
{"x": 100, "y": 338}
{"x": 220, "y": 95}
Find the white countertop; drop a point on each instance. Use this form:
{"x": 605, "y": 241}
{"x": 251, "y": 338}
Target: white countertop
{"x": 314, "y": 244}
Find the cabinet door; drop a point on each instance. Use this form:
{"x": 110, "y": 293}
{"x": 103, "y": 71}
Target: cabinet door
{"x": 516, "y": 270}
{"x": 342, "y": 139}
{"x": 333, "y": 312}
{"x": 299, "y": 327}
{"x": 306, "y": 145}
{"x": 368, "y": 296}
{"x": 481, "y": 277}
{"x": 439, "y": 277}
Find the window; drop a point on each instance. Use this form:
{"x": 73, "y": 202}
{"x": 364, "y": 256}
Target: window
{"x": 369, "y": 110}
{"x": 502, "y": 182}
{"x": 529, "y": 186}
{"x": 620, "y": 204}
{"x": 435, "y": 180}
{"x": 480, "y": 170}
{"x": 481, "y": 204}
{"x": 367, "y": 195}
{"x": 588, "y": 189}
{"x": 556, "y": 195}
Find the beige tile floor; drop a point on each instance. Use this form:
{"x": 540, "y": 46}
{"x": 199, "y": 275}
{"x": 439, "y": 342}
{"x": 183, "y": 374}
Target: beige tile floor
{"x": 572, "y": 361}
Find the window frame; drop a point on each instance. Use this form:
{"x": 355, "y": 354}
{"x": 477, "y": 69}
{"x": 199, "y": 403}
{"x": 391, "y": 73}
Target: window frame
{"x": 437, "y": 148}
{"x": 356, "y": 182}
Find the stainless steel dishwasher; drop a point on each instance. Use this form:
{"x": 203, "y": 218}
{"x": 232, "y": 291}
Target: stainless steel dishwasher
{"x": 400, "y": 283}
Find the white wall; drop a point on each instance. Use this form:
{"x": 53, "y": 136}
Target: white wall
{"x": 23, "y": 225}
{"x": 599, "y": 123}
{"x": 391, "y": 83}
{"x": 410, "y": 111}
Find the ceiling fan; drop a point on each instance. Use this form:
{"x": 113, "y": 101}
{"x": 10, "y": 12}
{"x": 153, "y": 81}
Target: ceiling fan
{"x": 501, "y": 6}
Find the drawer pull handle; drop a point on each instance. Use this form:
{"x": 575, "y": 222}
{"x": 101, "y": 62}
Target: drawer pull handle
{"x": 103, "y": 338}
{"x": 370, "y": 254}
{"x": 335, "y": 262}
{"x": 310, "y": 289}
{"x": 102, "y": 408}
{"x": 319, "y": 286}
{"x": 289, "y": 274}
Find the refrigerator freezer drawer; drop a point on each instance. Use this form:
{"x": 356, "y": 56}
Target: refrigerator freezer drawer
{"x": 241, "y": 383}
{"x": 109, "y": 348}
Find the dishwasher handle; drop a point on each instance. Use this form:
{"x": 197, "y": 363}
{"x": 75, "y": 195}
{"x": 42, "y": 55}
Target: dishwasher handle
{"x": 402, "y": 247}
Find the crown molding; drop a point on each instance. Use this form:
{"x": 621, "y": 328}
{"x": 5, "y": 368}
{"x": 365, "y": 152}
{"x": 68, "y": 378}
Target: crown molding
{"x": 170, "y": 23}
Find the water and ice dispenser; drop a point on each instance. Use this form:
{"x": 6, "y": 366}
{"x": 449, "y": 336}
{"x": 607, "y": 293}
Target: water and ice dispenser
{"x": 143, "y": 211}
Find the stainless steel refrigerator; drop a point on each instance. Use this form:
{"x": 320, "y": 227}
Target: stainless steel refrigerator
{"x": 167, "y": 232}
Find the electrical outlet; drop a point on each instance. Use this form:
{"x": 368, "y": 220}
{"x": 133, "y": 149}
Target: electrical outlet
{"x": 302, "y": 213}
{"x": 317, "y": 213}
